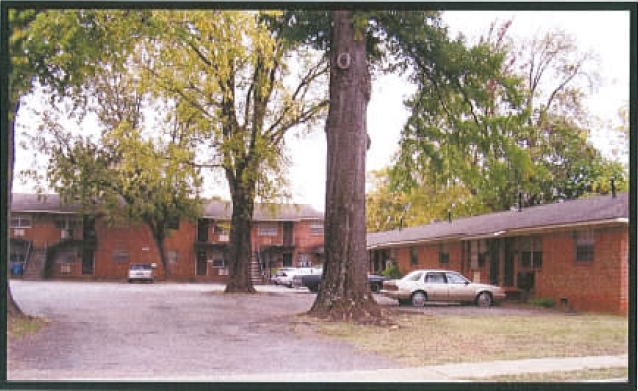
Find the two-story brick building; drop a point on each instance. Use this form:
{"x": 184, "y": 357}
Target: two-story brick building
{"x": 52, "y": 240}
{"x": 575, "y": 252}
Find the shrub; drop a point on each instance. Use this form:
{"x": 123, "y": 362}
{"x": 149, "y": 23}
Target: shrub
{"x": 392, "y": 272}
{"x": 546, "y": 302}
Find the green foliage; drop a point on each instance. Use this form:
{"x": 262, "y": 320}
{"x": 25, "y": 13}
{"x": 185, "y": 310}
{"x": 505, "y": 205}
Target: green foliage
{"x": 546, "y": 302}
{"x": 476, "y": 125}
{"x": 392, "y": 272}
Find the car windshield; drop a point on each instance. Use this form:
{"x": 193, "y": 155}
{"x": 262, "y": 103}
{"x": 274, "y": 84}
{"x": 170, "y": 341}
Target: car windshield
{"x": 455, "y": 278}
{"x": 140, "y": 267}
{"x": 414, "y": 276}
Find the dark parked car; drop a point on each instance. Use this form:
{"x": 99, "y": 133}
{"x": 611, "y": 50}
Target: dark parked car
{"x": 312, "y": 282}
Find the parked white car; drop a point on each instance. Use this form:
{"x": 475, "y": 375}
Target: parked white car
{"x": 420, "y": 286}
{"x": 141, "y": 272}
{"x": 281, "y": 274}
{"x": 288, "y": 279}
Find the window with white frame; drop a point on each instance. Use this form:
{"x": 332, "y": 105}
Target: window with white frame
{"x": 21, "y": 221}
{"x": 584, "y": 245}
{"x": 316, "y": 228}
{"x": 267, "y": 230}
{"x": 171, "y": 256}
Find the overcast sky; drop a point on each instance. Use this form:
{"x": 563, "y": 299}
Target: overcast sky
{"x": 603, "y": 32}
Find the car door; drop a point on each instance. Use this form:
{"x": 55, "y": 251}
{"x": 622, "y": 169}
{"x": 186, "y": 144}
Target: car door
{"x": 459, "y": 288}
{"x": 436, "y": 286}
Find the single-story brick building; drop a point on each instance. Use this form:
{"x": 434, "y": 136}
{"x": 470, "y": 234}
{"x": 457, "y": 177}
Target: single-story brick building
{"x": 575, "y": 252}
{"x": 52, "y": 240}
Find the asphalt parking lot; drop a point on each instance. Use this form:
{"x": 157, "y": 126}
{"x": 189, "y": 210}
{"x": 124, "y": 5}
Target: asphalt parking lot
{"x": 120, "y": 331}
{"x": 111, "y": 330}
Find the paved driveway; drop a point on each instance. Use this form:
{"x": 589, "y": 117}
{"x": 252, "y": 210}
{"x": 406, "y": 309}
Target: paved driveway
{"x": 165, "y": 330}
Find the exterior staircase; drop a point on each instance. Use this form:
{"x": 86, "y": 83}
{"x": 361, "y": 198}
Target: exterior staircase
{"x": 34, "y": 268}
{"x": 255, "y": 270}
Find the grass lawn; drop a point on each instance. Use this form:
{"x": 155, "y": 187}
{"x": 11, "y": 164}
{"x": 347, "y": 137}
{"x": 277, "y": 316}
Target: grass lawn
{"x": 562, "y": 376}
{"x": 19, "y": 327}
{"x": 421, "y": 340}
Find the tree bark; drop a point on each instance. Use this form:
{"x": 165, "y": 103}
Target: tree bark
{"x": 12, "y": 307}
{"x": 344, "y": 293}
{"x": 240, "y": 251}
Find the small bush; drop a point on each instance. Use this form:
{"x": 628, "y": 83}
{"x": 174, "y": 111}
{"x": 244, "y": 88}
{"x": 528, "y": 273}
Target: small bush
{"x": 392, "y": 272}
{"x": 546, "y": 302}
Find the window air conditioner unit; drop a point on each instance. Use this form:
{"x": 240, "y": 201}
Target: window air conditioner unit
{"x": 66, "y": 234}
{"x": 65, "y": 268}
{"x": 223, "y": 238}
{"x": 18, "y": 232}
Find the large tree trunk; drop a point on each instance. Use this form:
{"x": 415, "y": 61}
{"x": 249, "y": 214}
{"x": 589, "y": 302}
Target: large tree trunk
{"x": 12, "y": 307}
{"x": 240, "y": 251}
{"x": 160, "y": 238}
{"x": 344, "y": 293}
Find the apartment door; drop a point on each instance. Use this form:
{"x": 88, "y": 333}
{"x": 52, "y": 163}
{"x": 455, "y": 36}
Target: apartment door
{"x": 87, "y": 262}
{"x": 201, "y": 263}
{"x": 494, "y": 248}
{"x": 288, "y": 234}
{"x": 202, "y": 230}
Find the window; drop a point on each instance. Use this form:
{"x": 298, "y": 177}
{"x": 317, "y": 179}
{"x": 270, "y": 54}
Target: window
{"x": 171, "y": 256}
{"x": 414, "y": 256}
{"x": 454, "y": 278}
{"x": 531, "y": 252}
{"x": 120, "y": 256}
{"x": 435, "y": 278}
{"x": 65, "y": 223}
{"x": 316, "y": 228}
{"x": 414, "y": 276}
{"x": 444, "y": 255}
{"x": 267, "y": 230}
{"x": 584, "y": 245}
{"x": 67, "y": 256}
{"x": 219, "y": 263}
{"x": 172, "y": 222}
{"x": 221, "y": 228}
{"x": 20, "y": 221}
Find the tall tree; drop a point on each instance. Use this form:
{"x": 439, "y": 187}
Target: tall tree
{"x": 490, "y": 121}
{"x": 227, "y": 74}
{"x": 54, "y": 49}
{"x": 344, "y": 294}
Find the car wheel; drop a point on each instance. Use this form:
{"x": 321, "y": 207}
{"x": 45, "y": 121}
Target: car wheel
{"x": 484, "y": 300}
{"x": 375, "y": 288}
{"x": 314, "y": 289}
{"x": 418, "y": 299}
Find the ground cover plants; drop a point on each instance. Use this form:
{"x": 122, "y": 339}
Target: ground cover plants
{"x": 419, "y": 340}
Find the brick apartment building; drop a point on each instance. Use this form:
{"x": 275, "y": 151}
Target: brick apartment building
{"x": 52, "y": 240}
{"x": 576, "y": 252}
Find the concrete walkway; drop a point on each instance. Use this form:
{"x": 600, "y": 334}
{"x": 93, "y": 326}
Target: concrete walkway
{"x": 437, "y": 373}
{"x": 445, "y": 373}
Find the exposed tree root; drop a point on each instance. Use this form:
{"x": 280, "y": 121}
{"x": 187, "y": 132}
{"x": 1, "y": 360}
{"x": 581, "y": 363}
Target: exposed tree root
{"x": 363, "y": 310}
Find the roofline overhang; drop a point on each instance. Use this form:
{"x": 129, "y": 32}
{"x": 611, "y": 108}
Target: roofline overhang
{"x": 555, "y": 227}
{"x": 55, "y": 212}
{"x": 501, "y": 233}
{"x": 412, "y": 242}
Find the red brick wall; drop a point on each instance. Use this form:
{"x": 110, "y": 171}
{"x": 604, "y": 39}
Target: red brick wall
{"x": 599, "y": 286}
{"x": 43, "y": 231}
{"x": 428, "y": 258}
